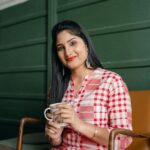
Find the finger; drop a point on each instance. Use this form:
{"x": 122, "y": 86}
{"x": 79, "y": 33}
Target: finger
{"x": 63, "y": 110}
{"x": 53, "y": 124}
{"x": 67, "y": 121}
{"x": 66, "y": 115}
{"x": 52, "y": 130}
{"x": 65, "y": 106}
{"x": 49, "y": 115}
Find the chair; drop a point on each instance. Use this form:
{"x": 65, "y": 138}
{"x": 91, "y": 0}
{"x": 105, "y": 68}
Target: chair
{"x": 141, "y": 122}
{"x": 21, "y": 130}
{"x": 38, "y": 141}
{"x": 31, "y": 141}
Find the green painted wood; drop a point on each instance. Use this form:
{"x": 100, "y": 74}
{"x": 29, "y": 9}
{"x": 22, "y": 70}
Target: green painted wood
{"x": 66, "y": 5}
{"x": 10, "y": 129}
{"x": 23, "y": 64}
{"x": 124, "y": 49}
{"x": 15, "y": 57}
{"x": 52, "y": 19}
{"x": 33, "y": 29}
{"x": 108, "y": 12}
{"x": 32, "y": 82}
{"x": 25, "y": 108}
{"x": 20, "y": 12}
{"x": 136, "y": 78}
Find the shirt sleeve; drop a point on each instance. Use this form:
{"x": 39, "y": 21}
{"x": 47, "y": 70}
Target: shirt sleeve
{"x": 119, "y": 110}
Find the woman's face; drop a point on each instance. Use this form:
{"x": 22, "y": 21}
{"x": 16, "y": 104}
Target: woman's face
{"x": 71, "y": 50}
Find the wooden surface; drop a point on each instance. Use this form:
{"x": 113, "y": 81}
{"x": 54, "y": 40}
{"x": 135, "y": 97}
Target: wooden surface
{"x": 3, "y": 147}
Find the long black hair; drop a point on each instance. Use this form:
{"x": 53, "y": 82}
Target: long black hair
{"x": 61, "y": 74}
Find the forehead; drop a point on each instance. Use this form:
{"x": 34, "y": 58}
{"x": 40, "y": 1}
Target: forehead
{"x": 66, "y": 35}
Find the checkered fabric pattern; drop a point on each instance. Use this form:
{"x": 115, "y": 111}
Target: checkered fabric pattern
{"x": 103, "y": 101}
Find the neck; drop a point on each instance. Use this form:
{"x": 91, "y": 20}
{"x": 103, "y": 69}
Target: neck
{"x": 79, "y": 74}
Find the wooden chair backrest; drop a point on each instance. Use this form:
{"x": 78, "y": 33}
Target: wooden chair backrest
{"x": 140, "y": 101}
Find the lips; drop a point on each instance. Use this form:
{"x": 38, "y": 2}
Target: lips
{"x": 71, "y": 58}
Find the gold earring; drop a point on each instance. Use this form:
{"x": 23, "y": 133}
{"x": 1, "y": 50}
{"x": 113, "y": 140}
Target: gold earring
{"x": 87, "y": 63}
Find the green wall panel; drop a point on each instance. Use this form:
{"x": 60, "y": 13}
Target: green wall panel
{"x": 34, "y": 29}
{"x": 136, "y": 78}
{"x": 23, "y": 11}
{"x": 62, "y": 2}
{"x": 24, "y": 56}
{"x": 16, "y": 109}
{"x": 23, "y": 64}
{"x": 9, "y": 129}
{"x": 24, "y": 82}
{"x": 108, "y": 13}
{"x": 128, "y": 48}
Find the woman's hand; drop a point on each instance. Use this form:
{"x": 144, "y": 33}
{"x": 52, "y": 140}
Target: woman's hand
{"x": 69, "y": 116}
{"x": 53, "y": 131}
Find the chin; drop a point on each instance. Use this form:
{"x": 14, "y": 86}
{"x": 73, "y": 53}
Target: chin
{"x": 72, "y": 67}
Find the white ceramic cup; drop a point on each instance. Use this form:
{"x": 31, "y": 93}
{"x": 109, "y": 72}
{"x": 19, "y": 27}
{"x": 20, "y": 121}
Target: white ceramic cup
{"x": 50, "y": 114}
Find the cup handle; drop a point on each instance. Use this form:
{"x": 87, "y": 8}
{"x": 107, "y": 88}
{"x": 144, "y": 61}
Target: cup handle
{"x": 45, "y": 111}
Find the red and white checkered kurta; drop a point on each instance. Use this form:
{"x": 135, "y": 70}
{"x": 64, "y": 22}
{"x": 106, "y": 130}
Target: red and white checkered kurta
{"x": 103, "y": 101}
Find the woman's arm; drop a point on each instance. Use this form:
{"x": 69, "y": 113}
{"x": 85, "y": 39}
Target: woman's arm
{"x": 97, "y": 134}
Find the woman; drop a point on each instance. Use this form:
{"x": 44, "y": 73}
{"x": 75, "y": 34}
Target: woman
{"x": 100, "y": 99}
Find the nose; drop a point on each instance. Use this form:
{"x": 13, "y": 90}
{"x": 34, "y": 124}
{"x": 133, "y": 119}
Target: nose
{"x": 68, "y": 51}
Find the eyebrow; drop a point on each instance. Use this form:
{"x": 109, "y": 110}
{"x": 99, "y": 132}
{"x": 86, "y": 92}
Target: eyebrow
{"x": 66, "y": 42}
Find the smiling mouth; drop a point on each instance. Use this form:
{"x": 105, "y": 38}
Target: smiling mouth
{"x": 71, "y": 58}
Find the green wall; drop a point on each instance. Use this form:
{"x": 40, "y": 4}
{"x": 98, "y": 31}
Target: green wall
{"x": 120, "y": 32}
{"x": 23, "y": 64}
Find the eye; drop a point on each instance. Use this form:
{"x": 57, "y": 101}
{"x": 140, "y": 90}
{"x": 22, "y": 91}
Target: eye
{"x": 60, "y": 48}
{"x": 73, "y": 43}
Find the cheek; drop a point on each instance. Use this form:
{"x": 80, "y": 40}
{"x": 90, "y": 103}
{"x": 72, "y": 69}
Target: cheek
{"x": 61, "y": 57}
{"x": 83, "y": 53}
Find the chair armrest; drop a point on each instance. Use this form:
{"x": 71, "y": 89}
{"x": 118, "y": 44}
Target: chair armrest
{"x": 23, "y": 121}
{"x": 115, "y": 132}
